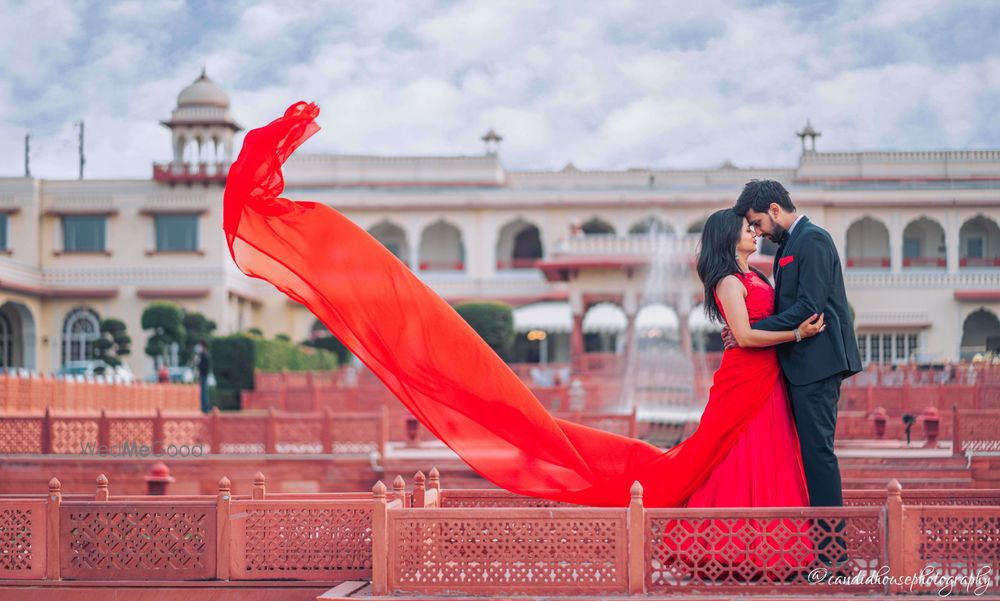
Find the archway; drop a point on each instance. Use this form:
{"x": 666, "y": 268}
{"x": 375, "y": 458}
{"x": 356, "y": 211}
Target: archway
{"x": 393, "y": 238}
{"x": 867, "y": 244}
{"x": 441, "y": 248}
{"x": 980, "y": 334}
{"x": 519, "y": 245}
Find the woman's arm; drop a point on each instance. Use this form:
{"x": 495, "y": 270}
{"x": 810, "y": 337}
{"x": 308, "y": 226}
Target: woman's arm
{"x": 732, "y": 295}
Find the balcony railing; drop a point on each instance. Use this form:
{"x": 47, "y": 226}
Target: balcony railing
{"x": 641, "y": 245}
{"x": 979, "y": 262}
{"x": 936, "y": 262}
{"x": 37, "y": 393}
{"x": 190, "y": 173}
{"x": 430, "y": 540}
{"x": 505, "y": 264}
{"x": 868, "y": 262}
{"x": 442, "y": 265}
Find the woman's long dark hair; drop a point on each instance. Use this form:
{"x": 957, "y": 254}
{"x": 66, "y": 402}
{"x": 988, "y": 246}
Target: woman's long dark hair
{"x": 717, "y": 254}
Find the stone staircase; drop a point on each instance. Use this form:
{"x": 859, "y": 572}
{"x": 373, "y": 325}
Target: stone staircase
{"x": 911, "y": 472}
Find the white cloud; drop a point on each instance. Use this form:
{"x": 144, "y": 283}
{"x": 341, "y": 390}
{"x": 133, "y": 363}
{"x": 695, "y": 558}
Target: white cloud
{"x": 602, "y": 84}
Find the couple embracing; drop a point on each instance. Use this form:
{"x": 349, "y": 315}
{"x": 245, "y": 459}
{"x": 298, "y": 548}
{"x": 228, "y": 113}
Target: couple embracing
{"x": 785, "y": 456}
{"x": 765, "y": 437}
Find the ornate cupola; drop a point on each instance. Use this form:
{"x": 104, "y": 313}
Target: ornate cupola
{"x": 812, "y": 134}
{"x": 202, "y": 133}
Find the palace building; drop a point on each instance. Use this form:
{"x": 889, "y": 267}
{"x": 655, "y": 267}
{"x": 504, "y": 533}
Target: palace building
{"x": 590, "y": 260}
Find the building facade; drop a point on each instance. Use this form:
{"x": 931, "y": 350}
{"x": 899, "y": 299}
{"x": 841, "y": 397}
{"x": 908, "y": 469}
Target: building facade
{"x": 591, "y": 260}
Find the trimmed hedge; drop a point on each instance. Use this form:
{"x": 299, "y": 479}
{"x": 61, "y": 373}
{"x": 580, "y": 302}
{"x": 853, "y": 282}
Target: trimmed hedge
{"x": 494, "y": 322}
{"x": 236, "y": 357}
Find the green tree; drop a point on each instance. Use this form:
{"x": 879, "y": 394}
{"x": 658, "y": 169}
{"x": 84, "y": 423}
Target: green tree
{"x": 166, "y": 322}
{"x": 494, "y": 322}
{"x": 113, "y": 344}
{"x": 197, "y": 327}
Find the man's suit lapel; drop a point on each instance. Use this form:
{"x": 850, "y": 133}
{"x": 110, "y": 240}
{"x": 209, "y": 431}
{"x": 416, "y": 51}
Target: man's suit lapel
{"x": 787, "y": 250}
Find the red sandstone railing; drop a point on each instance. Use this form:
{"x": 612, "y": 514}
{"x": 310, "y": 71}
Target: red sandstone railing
{"x": 972, "y": 431}
{"x": 37, "y": 393}
{"x": 485, "y": 542}
{"x": 868, "y": 262}
{"x": 194, "y": 434}
{"x": 924, "y": 262}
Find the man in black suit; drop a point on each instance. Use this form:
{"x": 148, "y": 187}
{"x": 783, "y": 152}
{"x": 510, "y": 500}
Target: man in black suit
{"x": 808, "y": 280}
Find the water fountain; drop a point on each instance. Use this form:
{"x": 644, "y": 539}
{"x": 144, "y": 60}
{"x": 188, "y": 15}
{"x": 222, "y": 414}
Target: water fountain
{"x": 659, "y": 380}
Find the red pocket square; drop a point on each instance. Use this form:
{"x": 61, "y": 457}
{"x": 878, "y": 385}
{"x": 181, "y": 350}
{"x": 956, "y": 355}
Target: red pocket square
{"x": 785, "y": 260}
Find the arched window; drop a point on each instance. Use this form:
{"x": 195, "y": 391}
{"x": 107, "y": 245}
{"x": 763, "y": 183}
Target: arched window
{"x": 596, "y": 226}
{"x": 867, "y": 244}
{"x": 441, "y": 248}
{"x": 923, "y": 244}
{"x": 980, "y": 334}
{"x": 519, "y": 246}
{"x": 394, "y": 238}
{"x": 6, "y": 341}
{"x": 650, "y": 226}
{"x": 81, "y": 328}
{"x": 697, "y": 226}
{"x": 979, "y": 243}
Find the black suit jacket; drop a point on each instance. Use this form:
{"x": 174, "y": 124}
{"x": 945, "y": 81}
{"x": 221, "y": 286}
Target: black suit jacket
{"x": 808, "y": 279}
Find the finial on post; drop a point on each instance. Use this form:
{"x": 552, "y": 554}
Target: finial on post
{"x": 102, "y": 493}
{"x": 399, "y": 489}
{"x": 378, "y": 491}
{"x": 259, "y": 490}
{"x": 636, "y": 492}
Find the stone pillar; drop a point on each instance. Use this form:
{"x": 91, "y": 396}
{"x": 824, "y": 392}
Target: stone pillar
{"x": 952, "y": 243}
{"x": 630, "y": 338}
{"x": 576, "y": 348}
{"x": 684, "y": 331}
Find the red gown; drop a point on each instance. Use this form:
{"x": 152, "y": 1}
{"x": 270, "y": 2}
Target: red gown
{"x": 437, "y": 365}
{"x": 763, "y": 468}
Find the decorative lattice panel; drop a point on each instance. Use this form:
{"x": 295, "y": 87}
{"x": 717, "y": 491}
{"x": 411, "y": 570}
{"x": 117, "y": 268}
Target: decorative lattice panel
{"x": 508, "y": 551}
{"x": 453, "y": 498}
{"x": 318, "y": 542}
{"x": 20, "y": 435}
{"x": 740, "y": 549}
{"x": 242, "y": 435}
{"x": 134, "y": 541}
{"x": 22, "y": 540}
{"x": 299, "y": 435}
{"x": 959, "y": 547}
{"x": 185, "y": 432}
{"x": 356, "y": 435}
{"x": 130, "y": 432}
{"x": 73, "y": 435}
{"x": 927, "y": 497}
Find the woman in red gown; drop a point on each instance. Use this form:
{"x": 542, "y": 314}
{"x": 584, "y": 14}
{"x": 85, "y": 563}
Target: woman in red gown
{"x": 763, "y": 467}
{"x": 463, "y": 393}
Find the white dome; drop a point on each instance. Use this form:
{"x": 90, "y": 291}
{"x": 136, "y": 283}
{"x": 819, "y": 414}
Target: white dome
{"x": 203, "y": 92}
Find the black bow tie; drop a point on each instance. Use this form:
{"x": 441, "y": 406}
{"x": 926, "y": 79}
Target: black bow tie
{"x": 783, "y": 239}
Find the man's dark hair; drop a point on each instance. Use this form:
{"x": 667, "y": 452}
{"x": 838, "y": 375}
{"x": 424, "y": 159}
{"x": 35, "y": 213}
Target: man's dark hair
{"x": 758, "y": 195}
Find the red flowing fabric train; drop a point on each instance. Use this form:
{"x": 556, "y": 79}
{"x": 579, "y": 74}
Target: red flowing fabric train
{"x": 438, "y": 366}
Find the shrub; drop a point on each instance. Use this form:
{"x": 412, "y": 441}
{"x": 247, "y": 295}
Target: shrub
{"x": 494, "y": 322}
{"x": 236, "y": 357}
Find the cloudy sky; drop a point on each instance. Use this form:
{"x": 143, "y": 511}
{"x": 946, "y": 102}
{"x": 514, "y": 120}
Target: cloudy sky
{"x": 602, "y": 84}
